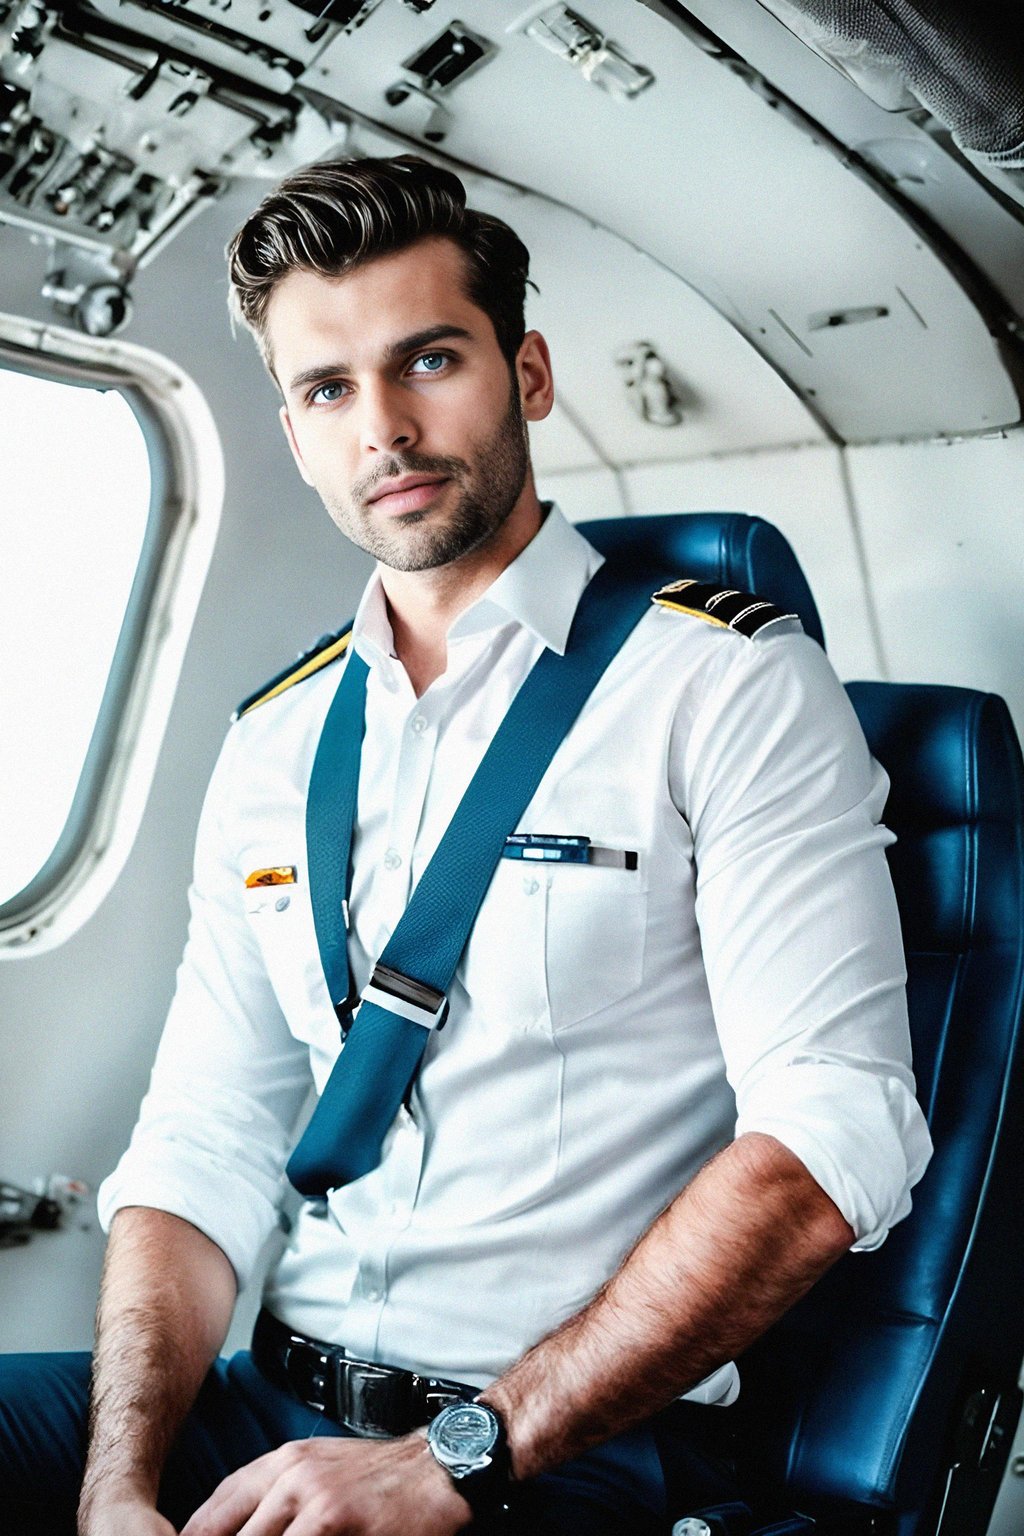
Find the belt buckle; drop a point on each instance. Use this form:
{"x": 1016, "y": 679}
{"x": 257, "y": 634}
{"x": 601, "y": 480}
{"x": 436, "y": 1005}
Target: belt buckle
{"x": 373, "y": 1400}
{"x": 308, "y": 1371}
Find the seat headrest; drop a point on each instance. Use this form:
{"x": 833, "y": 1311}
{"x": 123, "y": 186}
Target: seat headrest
{"x": 727, "y": 547}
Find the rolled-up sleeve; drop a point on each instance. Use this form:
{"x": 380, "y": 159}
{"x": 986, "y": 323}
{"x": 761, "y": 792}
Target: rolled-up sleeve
{"x": 799, "y": 927}
{"x": 229, "y": 1078}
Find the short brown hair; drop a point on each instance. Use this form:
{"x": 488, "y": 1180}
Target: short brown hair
{"x": 331, "y": 216}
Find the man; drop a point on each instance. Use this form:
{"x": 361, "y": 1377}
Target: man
{"x": 566, "y": 1217}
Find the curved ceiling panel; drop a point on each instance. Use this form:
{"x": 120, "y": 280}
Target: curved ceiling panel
{"x": 600, "y": 299}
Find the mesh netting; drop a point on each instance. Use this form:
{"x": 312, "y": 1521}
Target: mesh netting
{"x": 964, "y": 61}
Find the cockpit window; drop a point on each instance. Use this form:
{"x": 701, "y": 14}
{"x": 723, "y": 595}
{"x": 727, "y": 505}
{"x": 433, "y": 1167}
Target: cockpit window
{"x": 111, "y": 482}
{"x": 76, "y": 502}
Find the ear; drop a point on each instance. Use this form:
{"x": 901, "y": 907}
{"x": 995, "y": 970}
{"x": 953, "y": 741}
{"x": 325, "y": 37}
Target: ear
{"x": 536, "y": 383}
{"x": 286, "y": 423}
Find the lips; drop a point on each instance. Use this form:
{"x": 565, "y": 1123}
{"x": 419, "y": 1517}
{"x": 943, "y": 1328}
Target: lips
{"x": 409, "y": 493}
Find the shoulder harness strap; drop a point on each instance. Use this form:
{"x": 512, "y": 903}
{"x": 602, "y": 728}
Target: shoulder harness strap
{"x": 725, "y": 607}
{"x": 327, "y": 649}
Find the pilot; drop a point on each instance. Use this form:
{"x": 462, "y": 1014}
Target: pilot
{"x": 673, "y": 1080}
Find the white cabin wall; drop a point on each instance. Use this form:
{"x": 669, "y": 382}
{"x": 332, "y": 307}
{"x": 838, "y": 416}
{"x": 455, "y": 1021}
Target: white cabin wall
{"x": 585, "y": 494}
{"x": 943, "y": 529}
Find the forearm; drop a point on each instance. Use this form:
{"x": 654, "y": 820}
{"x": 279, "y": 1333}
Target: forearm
{"x": 733, "y": 1252}
{"x": 165, "y": 1305}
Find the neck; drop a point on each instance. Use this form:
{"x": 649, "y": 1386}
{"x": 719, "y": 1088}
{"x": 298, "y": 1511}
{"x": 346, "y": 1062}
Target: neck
{"x": 423, "y": 605}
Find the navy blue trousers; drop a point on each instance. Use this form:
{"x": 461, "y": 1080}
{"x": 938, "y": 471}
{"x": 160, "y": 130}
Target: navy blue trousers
{"x": 635, "y": 1485}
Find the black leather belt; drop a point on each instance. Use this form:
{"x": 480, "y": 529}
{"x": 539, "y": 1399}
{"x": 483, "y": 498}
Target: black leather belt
{"x": 378, "y": 1401}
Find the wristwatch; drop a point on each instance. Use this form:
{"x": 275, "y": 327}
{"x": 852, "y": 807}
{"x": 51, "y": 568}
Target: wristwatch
{"x": 469, "y": 1441}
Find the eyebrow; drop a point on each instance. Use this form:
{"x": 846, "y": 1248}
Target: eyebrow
{"x": 392, "y": 352}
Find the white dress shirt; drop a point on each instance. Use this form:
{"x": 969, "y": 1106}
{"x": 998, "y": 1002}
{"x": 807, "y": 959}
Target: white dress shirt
{"x": 610, "y": 1028}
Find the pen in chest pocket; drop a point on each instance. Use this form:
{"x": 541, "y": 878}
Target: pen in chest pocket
{"x": 558, "y": 848}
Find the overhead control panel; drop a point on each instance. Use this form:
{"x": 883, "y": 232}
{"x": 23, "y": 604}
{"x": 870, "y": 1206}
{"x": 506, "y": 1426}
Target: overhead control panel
{"x": 112, "y": 137}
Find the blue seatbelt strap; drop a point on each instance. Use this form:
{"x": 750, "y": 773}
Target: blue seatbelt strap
{"x": 389, "y": 1033}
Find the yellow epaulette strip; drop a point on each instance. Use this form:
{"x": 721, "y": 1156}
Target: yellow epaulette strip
{"x": 327, "y": 649}
{"x": 725, "y": 607}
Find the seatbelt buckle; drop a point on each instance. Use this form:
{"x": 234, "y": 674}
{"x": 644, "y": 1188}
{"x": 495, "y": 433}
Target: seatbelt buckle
{"x": 405, "y": 996}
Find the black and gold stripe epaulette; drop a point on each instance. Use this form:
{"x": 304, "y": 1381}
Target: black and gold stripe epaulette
{"x": 327, "y": 649}
{"x": 727, "y": 607}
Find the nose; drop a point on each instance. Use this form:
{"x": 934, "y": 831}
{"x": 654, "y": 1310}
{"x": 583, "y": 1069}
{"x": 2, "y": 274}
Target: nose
{"x": 387, "y": 419}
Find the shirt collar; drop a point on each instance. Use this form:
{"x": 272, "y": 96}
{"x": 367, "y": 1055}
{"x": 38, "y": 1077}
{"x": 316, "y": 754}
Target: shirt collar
{"x": 540, "y": 589}
{"x": 372, "y": 638}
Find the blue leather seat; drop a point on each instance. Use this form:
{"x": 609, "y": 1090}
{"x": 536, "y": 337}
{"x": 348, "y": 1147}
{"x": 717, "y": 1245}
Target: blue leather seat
{"x": 886, "y": 1400}
{"x": 730, "y": 547}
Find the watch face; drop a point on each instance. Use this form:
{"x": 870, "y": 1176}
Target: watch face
{"x": 463, "y": 1434}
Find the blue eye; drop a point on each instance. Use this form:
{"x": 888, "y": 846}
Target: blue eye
{"x": 433, "y": 362}
{"x": 325, "y": 397}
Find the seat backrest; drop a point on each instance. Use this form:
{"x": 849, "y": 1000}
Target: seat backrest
{"x": 728, "y": 547}
{"x": 866, "y": 1377}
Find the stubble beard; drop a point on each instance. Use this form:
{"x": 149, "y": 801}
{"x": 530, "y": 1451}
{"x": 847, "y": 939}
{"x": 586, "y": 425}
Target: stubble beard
{"x": 419, "y": 541}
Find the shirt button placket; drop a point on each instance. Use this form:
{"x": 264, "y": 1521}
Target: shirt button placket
{"x": 414, "y": 768}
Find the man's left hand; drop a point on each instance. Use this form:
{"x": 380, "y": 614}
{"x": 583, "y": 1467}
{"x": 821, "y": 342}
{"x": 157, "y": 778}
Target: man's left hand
{"x": 336, "y": 1487}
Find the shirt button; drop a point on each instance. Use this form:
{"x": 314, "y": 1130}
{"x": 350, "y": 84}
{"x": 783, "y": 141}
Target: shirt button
{"x": 530, "y": 886}
{"x": 392, "y": 859}
{"x": 282, "y": 903}
{"x": 375, "y": 1295}
{"x": 419, "y": 724}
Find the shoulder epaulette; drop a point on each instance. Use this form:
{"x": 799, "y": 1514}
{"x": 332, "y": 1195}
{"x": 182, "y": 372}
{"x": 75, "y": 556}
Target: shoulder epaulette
{"x": 726, "y": 607}
{"x": 327, "y": 649}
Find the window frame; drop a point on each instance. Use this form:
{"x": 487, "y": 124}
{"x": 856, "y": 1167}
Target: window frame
{"x": 186, "y": 494}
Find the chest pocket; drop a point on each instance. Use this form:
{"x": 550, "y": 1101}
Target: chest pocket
{"x": 594, "y": 939}
{"x": 554, "y": 945}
